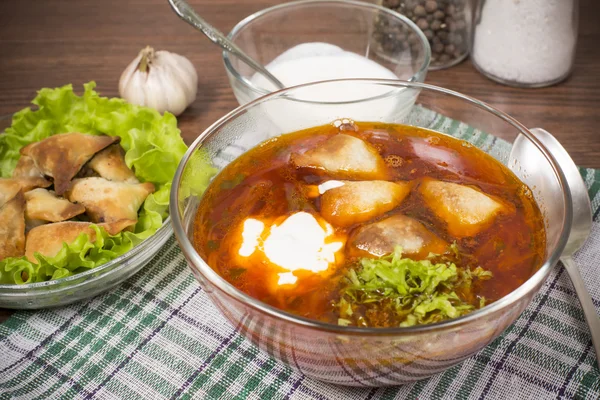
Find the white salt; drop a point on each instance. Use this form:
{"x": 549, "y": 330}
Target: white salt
{"x": 526, "y": 41}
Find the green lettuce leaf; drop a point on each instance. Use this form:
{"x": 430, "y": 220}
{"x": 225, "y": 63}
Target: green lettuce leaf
{"x": 153, "y": 148}
{"x": 398, "y": 291}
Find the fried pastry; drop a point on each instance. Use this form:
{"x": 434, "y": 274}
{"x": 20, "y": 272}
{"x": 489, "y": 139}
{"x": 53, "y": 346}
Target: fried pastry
{"x": 42, "y": 204}
{"x": 27, "y": 172}
{"x": 12, "y": 220}
{"x": 62, "y": 156}
{"x": 107, "y": 201}
{"x": 48, "y": 239}
{"x": 110, "y": 164}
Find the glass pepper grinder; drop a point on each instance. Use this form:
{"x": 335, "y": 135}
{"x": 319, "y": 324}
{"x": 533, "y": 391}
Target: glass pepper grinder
{"x": 445, "y": 23}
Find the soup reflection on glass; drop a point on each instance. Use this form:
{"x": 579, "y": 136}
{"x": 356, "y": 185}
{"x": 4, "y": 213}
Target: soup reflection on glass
{"x": 370, "y": 225}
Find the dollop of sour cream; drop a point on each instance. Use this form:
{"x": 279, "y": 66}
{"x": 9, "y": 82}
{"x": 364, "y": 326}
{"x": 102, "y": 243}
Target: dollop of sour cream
{"x": 300, "y": 242}
{"x": 325, "y": 186}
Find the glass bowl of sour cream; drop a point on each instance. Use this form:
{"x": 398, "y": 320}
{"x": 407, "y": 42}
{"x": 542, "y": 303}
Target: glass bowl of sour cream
{"x": 313, "y": 40}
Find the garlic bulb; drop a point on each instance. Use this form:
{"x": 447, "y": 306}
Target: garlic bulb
{"x": 161, "y": 80}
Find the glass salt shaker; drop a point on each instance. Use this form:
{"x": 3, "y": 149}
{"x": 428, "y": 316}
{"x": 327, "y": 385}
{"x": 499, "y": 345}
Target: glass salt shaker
{"x": 445, "y": 23}
{"x": 524, "y": 43}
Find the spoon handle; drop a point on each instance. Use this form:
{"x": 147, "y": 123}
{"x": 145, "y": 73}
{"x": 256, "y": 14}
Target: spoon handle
{"x": 589, "y": 310}
{"x": 187, "y": 13}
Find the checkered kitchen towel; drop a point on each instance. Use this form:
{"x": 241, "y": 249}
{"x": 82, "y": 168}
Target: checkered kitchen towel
{"x": 158, "y": 336}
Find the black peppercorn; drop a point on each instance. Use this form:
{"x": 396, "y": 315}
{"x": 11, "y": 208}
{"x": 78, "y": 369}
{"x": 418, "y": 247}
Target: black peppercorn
{"x": 443, "y": 23}
{"x": 422, "y": 24}
{"x": 431, "y": 6}
{"x": 420, "y": 11}
{"x": 457, "y": 40}
{"x": 461, "y": 24}
{"x": 437, "y": 48}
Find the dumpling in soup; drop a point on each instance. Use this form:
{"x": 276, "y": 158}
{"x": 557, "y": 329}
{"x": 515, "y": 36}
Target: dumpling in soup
{"x": 466, "y": 210}
{"x": 356, "y": 202}
{"x": 380, "y": 238}
{"x": 343, "y": 157}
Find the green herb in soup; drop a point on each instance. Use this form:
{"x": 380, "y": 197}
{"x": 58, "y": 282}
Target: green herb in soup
{"x": 369, "y": 224}
{"x": 399, "y": 291}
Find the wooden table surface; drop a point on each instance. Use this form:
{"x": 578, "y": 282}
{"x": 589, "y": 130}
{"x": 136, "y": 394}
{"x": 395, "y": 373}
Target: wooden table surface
{"x": 55, "y": 42}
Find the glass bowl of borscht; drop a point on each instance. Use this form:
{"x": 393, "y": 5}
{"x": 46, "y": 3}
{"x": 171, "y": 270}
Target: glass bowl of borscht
{"x": 371, "y": 242}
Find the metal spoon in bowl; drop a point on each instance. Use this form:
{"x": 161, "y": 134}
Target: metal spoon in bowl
{"x": 187, "y": 13}
{"x": 523, "y": 150}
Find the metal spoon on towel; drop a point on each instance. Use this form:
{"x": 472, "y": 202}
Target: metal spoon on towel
{"x": 525, "y": 153}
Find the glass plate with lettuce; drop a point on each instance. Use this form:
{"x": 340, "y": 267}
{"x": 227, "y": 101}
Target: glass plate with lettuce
{"x": 153, "y": 148}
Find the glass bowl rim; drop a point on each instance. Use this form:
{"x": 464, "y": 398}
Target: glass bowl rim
{"x": 213, "y": 278}
{"x": 300, "y": 3}
{"x": 94, "y": 273}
